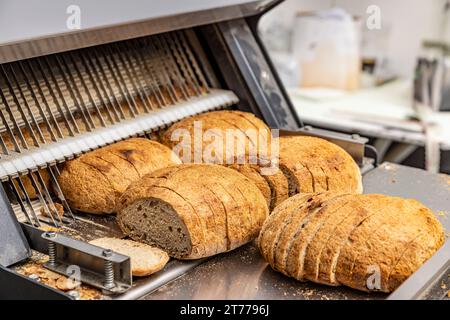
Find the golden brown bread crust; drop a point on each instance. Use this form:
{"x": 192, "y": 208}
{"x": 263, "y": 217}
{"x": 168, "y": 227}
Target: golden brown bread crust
{"x": 279, "y": 188}
{"x": 94, "y": 181}
{"x": 253, "y": 173}
{"x": 344, "y": 239}
{"x": 319, "y": 165}
{"x": 221, "y": 208}
{"x": 221, "y": 121}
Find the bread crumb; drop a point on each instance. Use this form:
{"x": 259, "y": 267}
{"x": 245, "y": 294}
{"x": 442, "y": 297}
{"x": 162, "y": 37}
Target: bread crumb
{"x": 443, "y": 285}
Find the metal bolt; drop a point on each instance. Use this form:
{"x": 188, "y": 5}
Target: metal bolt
{"x": 74, "y": 294}
{"x": 109, "y": 270}
{"x": 355, "y": 136}
{"x": 50, "y": 234}
{"x": 34, "y": 277}
{"x": 107, "y": 253}
{"x": 307, "y": 128}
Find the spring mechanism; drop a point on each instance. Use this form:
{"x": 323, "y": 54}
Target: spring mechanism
{"x": 51, "y": 248}
{"x": 109, "y": 270}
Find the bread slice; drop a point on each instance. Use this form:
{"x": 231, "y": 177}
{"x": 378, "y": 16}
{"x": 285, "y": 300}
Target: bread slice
{"x": 252, "y": 172}
{"x": 349, "y": 217}
{"x": 305, "y": 233}
{"x": 279, "y": 188}
{"x": 269, "y": 233}
{"x": 298, "y": 218}
{"x": 145, "y": 260}
{"x": 334, "y": 213}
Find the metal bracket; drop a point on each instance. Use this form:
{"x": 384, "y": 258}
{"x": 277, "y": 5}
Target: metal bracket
{"x": 353, "y": 144}
{"x": 81, "y": 261}
{"x": 13, "y": 245}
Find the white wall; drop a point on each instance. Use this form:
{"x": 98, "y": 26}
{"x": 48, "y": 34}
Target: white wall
{"x": 405, "y": 24}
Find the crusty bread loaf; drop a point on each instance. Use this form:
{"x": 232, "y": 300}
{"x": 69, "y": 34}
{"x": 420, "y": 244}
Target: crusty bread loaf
{"x": 145, "y": 260}
{"x": 94, "y": 181}
{"x": 350, "y": 239}
{"x": 312, "y": 165}
{"x": 193, "y": 211}
{"x": 217, "y": 124}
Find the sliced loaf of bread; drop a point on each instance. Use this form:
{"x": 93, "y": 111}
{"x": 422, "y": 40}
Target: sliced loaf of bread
{"x": 367, "y": 242}
{"x": 193, "y": 211}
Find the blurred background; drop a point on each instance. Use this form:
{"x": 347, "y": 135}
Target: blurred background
{"x": 377, "y": 68}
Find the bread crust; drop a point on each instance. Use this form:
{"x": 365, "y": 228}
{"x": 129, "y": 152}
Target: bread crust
{"x": 319, "y": 165}
{"x": 94, "y": 181}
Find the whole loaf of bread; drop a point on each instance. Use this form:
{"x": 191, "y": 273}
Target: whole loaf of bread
{"x": 95, "y": 181}
{"x": 367, "y": 242}
{"x": 193, "y": 210}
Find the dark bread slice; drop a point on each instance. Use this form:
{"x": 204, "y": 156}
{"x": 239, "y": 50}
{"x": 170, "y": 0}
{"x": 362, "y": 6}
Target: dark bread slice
{"x": 200, "y": 201}
{"x": 140, "y": 224}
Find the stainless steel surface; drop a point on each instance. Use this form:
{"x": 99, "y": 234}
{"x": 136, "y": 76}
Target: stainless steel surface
{"x": 353, "y": 144}
{"x": 74, "y": 258}
{"x": 173, "y": 270}
{"x": 103, "y": 22}
{"x": 243, "y": 274}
